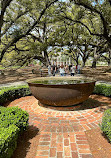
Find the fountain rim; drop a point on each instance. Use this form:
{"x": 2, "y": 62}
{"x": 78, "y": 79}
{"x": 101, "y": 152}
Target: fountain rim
{"x": 30, "y": 81}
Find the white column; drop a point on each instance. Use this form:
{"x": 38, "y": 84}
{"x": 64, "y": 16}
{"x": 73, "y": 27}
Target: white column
{"x": 52, "y": 61}
{"x": 63, "y": 61}
{"x": 60, "y": 61}
{"x": 43, "y": 54}
{"x": 69, "y": 60}
{"x": 57, "y": 60}
{"x": 66, "y": 62}
{"x": 49, "y": 59}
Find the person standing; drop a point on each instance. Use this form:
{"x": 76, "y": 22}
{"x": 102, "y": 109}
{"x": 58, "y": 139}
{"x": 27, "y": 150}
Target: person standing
{"x": 49, "y": 70}
{"x": 72, "y": 70}
{"x": 66, "y": 70}
{"x": 56, "y": 69}
{"x": 53, "y": 69}
{"x": 62, "y": 72}
{"x": 78, "y": 68}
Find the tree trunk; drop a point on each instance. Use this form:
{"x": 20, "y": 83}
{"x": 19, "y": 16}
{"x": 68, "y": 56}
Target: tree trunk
{"x": 94, "y": 63}
{"x": 94, "y": 59}
{"x": 76, "y": 61}
{"x": 46, "y": 58}
{"x": 84, "y": 61}
{"x": 109, "y": 61}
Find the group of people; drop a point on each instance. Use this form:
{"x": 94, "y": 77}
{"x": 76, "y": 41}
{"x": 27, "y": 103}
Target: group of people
{"x": 63, "y": 70}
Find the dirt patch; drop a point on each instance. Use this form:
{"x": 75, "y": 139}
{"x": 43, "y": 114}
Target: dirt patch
{"x": 10, "y": 75}
{"x": 99, "y": 73}
{"x": 27, "y": 143}
{"x": 102, "y": 73}
{"x": 99, "y": 145}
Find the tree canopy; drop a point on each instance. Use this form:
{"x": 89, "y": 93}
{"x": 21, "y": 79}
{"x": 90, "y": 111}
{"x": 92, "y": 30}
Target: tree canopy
{"x": 30, "y": 29}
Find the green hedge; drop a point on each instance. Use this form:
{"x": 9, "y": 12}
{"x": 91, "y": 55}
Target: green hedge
{"x": 104, "y": 89}
{"x": 8, "y": 141}
{"x": 11, "y": 93}
{"x": 13, "y": 121}
{"x": 15, "y": 116}
{"x": 106, "y": 124}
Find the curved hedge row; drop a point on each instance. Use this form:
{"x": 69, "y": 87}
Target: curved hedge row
{"x": 13, "y": 121}
{"x": 11, "y": 93}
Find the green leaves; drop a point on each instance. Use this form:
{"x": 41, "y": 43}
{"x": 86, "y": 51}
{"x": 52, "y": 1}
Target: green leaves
{"x": 13, "y": 120}
{"x": 103, "y": 89}
{"x": 106, "y": 124}
{"x": 51, "y": 25}
{"x": 8, "y": 140}
{"x": 10, "y": 93}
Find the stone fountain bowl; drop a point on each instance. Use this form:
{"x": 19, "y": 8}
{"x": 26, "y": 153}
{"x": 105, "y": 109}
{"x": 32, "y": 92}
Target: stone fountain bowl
{"x": 61, "y": 91}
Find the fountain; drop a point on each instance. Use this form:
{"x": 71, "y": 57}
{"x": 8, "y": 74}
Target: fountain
{"x": 61, "y": 91}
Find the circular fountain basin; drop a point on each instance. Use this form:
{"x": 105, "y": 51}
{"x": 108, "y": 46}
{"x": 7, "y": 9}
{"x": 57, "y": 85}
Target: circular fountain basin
{"x": 61, "y": 91}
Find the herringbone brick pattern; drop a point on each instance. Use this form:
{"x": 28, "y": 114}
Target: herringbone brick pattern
{"x": 62, "y": 133}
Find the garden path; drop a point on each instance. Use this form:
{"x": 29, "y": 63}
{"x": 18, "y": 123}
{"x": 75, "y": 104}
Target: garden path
{"x": 62, "y": 133}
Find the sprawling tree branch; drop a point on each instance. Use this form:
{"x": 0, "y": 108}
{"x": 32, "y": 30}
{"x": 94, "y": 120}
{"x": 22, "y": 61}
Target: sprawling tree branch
{"x": 17, "y": 38}
{"x": 12, "y": 22}
{"x": 77, "y": 21}
{"x": 92, "y": 9}
{"x": 105, "y": 33}
{"x": 4, "y": 5}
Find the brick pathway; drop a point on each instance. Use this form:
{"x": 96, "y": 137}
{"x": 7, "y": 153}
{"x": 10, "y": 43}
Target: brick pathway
{"x": 62, "y": 133}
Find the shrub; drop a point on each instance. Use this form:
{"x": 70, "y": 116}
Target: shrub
{"x": 106, "y": 124}
{"x": 11, "y": 93}
{"x": 15, "y": 116}
{"x": 104, "y": 89}
{"x": 107, "y": 91}
{"x": 8, "y": 141}
{"x": 13, "y": 121}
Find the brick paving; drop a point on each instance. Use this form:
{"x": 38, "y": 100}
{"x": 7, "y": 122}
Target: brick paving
{"x": 62, "y": 133}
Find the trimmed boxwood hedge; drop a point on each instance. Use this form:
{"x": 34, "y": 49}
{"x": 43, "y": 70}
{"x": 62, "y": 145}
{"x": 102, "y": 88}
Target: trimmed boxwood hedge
{"x": 13, "y": 121}
{"x": 15, "y": 116}
{"x": 11, "y": 93}
{"x": 103, "y": 89}
{"x": 106, "y": 124}
{"x": 8, "y": 141}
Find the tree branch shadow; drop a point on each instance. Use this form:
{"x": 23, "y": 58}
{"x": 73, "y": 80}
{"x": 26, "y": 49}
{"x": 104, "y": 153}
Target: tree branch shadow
{"x": 27, "y": 143}
{"x": 91, "y": 103}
